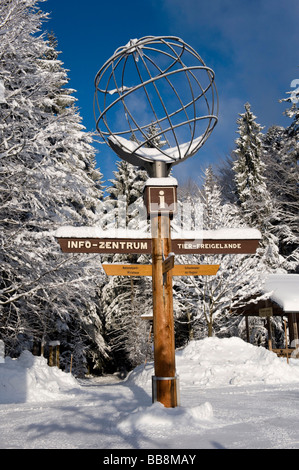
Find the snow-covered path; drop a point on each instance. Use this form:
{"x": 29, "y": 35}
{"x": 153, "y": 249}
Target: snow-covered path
{"x": 88, "y": 419}
{"x": 229, "y": 404}
{"x": 101, "y": 418}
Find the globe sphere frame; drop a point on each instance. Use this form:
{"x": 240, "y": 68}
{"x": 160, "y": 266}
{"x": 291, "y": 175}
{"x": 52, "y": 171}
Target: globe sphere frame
{"x": 150, "y": 95}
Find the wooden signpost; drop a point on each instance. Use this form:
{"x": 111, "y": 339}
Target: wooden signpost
{"x": 127, "y": 269}
{"x": 160, "y": 194}
{"x": 146, "y": 269}
{"x": 168, "y": 263}
{"x": 195, "y": 269}
{"x": 161, "y": 203}
{"x": 206, "y": 246}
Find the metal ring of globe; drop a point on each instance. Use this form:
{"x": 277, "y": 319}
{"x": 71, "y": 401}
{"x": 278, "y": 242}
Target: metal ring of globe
{"x": 156, "y": 102}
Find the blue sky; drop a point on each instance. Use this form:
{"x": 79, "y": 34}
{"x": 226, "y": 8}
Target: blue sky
{"x": 252, "y": 46}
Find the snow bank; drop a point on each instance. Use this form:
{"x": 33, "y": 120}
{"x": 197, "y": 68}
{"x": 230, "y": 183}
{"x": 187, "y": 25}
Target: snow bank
{"x": 245, "y": 233}
{"x": 208, "y": 363}
{"x": 215, "y": 362}
{"x": 158, "y": 419}
{"x": 68, "y": 231}
{"x": 221, "y": 362}
{"x": 30, "y": 379}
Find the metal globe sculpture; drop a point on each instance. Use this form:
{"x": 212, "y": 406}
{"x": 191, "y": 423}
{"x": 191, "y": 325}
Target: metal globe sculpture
{"x": 155, "y": 102}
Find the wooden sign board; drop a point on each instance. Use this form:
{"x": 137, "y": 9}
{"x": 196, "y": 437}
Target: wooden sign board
{"x": 168, "y": 264}
{"x": 146, "y": 269}
{"x": 266, "y": 312}
{"x": 128, "y": 269}
{"x": 147, "y": 316}
{"x": 195, "y": 269}
{"x": 214, "y": 247}
{"x": 144, "y": 245}
{"x": 105, "y": 245}
{"x": 160, "y": 199}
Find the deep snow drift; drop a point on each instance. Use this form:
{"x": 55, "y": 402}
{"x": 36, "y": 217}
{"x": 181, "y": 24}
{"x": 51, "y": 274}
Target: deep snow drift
{"x": 215, "y": 362}
{"x": 233, "y": 395}
{"x": 30, "y": 379}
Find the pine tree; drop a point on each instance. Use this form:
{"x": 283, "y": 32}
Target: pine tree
{"x": 253, "y": 197}
{"x": 249, "y": 170}
{"x": 226, "y": 179}
{"x": 281, "y": 150}
{"x": 124, "y": 203}
{"x": 154, "y": 136}
{"x": 48, "y": 179}
{"x": 290, "y": 202}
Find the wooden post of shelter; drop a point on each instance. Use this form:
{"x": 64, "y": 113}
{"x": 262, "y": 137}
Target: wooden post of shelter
{"x": 269, "y": 328}
{"x": 269, "y": 324}
{"x": 293, "y": 327}
{"x": 286, "y": 339}
{"x": 247, "y": 329}
{"x": 293, "y": 321}
{"x": 54, "y": 353}
{"x": 51, "y": 362}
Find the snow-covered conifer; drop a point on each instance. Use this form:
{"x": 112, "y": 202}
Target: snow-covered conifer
{"x": 253, "y": 196}
{"x": 154, "y": 136}
{"x": 249, "y": 169}
{"x": 124, "y": 203}
{"x": 48, "y": 178}
{"x": 281, "y": 150}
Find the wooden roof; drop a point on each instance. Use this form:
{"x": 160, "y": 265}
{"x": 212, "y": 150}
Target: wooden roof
{"x": 283, "y": 298}
{"x": 252, "y": 309}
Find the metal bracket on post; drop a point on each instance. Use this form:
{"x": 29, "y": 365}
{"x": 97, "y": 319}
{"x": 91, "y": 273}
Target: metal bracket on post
{"x": 175, "y": 388}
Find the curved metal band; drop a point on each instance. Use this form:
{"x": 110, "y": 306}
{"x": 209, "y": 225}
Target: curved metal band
{"x": 165, "y": 378}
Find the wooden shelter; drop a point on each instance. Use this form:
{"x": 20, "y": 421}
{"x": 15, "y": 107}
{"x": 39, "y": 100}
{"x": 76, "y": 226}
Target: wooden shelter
{"x": 282, "y": 299}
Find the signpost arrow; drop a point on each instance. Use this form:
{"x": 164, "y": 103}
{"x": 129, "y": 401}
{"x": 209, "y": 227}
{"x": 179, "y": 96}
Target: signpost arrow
{"x": 146, "y": 269}
{"x": 168, "y": 263}
{"x": 195, "y": 270}
{"x": 128, "y": 269}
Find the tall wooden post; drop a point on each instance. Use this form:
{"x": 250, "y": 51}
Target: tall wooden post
{"x": 168, "y": 299}
{"x": 165, "y": 387}
{"x": 164, "y": 381}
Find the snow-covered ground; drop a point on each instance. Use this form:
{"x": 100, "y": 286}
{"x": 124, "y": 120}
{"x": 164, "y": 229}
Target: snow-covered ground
{"x": 233, "y": 395}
